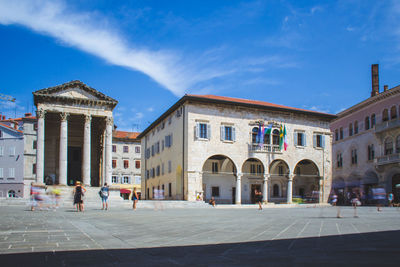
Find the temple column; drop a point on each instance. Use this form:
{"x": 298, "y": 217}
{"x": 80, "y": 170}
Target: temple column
{"x": 108, "y": 150}
{"x": 40, "y": 113}
{"x": 63, "y": 163}
{"x": 86, "y": 160}
{"x": 238, "y": 198}
{"x": 265, "y": 188}
{"x": 289, "y": 189}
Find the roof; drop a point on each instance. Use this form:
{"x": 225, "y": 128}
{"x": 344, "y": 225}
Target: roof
{"x": 11, "y": 128}
{"x": 125, "y": 135}
{"x": 49, "y": 93}
{"x": 213, "y": 99}
{"x": 19, "y": 119}
{"x": 369, "y": 101}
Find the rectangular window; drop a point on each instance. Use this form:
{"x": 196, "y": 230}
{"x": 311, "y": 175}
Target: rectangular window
{"x": 137, "y": 164}
{"x": 1, "y": 150}
{"x": 356, "y": 127}
{"x": 299, "y": 139}
{"x": 147, "y": 153}
{"x": 354, "y": 156}
{"x": 153, "y": 173}
{"x": 168, "y": 140}
{"x": 169, "y": 166}
{"x": 215, "y": 191}
{"x": 114, "y": 148}
{"x": 341, "y": 133}
{"x": 158, "y": 147}
{"x": 339, "y": 160}
{"x": 319, "y": 140}
{"x": 214, "y": 167}
{"x": 114, "y": 179}
{"x": 147, "y": 174}
{"x": 259, "y": 169}
{"x": 253, "y": 168}
{"x": 126, "y": 149}
{"x": 12, "y": 151}
{"x": 158, "y": 170}
{"x": 371, "y": 152}
{"x": 336, "y": 135}
{"x": 162, "y": 145}
{"x": 126, "y": 179}
{"x": 1, "y": 173}
{"x": 137, "y": 149}
{"x": 34, "y": 168}
{"x": 126, "y": 164}
{"x": 203, "y": 132}
{"x": 114, "y": 163}
{"x": 34, "y": 144}
{"x": 152, "y": 151}
{"x": 227, "y": 133}
{"x": 170, "y": 190}
{"x": 11, "y": 172}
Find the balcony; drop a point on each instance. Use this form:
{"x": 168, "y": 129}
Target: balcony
{"x": 388, "y": 159}
{"x": 264, "y": 148}
{"x": 387, "y": 125}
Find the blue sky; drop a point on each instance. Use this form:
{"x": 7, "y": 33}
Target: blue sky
{"x": 147, "y": 54}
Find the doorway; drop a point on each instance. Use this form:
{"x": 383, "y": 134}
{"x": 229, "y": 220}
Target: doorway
{"x": 74, "y": 165}
{"x": 233, "y": 195}
{"x": 254, "y": 187}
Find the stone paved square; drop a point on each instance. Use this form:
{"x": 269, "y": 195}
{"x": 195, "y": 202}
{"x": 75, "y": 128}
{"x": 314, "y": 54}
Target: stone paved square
{"x": 201, "y": 237}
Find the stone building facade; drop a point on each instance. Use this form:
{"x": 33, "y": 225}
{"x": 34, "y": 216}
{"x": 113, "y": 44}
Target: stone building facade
{"x": 126, "y": 157}
{"x": 208, "y": 145}
{"x": 366, "y": 147}
{"x": 74, "y": 135}
{"x": 11, "y": 161}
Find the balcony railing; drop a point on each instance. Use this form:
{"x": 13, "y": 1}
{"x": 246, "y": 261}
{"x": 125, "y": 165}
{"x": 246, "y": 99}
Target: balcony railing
{"x": 388, "y": 159}
{"x": 264, "y": 148}
{"x": 387, "y": 125}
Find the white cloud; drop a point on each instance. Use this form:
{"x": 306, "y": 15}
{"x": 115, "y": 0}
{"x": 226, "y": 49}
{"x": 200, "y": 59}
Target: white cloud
{"x": 92, "y": 33}
{"x": 139, "y": 115}
{"x": 150, "y": 109}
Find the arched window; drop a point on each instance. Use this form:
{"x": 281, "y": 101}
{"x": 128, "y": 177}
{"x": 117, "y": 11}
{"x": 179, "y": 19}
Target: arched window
{"x": 275, "y": 137}
{"x": 350, "y": 129}
{"x": 398, "y": 144}
{"x": 275, "y": 191}
{"x": 356, "y": 127}
{"x": 388, "y": 146}
{"x": 366, "y": 123}
{"x": 267, "y": 139}
{"x": 11, "y": 193}
{"x": 385, "y": 115}
{"x": 254, "y": 134}
{"x": 372, "y": 120}
{"x": 393, "y": 113}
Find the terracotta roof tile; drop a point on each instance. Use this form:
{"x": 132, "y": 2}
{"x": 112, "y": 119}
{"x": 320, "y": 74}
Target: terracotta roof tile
{"x": 9, "y": 127}
{"x": 125, "y": 135}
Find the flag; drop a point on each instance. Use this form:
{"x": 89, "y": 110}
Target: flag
{"x": 280, "y": 138}
{"x": 262, "y": 135}
{"x": 258, "y": 139}
{"x": 285, "y": 140}
{"x": 267, "y": 130}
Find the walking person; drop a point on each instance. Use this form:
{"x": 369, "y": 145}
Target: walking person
{"x": 259, "y": 197}
{"x": 135, "y": 198}
{"x": 104, "y": 192}
{"x": 79, "y": 192}
{"x": 390, "y": 199}
{"x": 355, "y": 202}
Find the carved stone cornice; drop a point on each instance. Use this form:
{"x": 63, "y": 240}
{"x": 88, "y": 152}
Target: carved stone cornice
{"x": 64, "y": 116}
{"x": 109, "y": 121}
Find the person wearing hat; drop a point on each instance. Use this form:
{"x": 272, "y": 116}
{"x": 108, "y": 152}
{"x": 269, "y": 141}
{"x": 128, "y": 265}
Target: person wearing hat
{"x": 79, "y": 192}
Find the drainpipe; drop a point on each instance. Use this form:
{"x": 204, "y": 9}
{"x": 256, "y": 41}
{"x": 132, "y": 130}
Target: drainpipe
{"x": 183, "y": 152}
{"x": 145, "y": 168}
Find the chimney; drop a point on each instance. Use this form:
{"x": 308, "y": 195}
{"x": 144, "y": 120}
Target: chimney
{"x": 15, "y": 126}
{"x": 28, "y": 114}
{"x": 375, "y": 79}
{"x": 385, "y": 87}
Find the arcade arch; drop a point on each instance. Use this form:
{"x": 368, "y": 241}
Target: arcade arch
{"x": 306, "y": 181}
{"x": 252, "y": 179}
{"x": 279, "y": 174}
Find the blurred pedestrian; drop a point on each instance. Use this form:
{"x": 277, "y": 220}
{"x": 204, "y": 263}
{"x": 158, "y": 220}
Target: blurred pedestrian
{"x": 36, "y": 199}
{"x": 355, "y": 201}
{"x": 135, "y": 198}
{"x": 259, "y": 197}
{"x": 79, "y": 192}
{"x": 212, "y": 202}
{"x": 390, "y": 199}
{"x": 104, "y": 192}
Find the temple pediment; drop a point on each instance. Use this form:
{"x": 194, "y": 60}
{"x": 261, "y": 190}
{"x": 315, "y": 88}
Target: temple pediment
{"x": 73, "y": 92}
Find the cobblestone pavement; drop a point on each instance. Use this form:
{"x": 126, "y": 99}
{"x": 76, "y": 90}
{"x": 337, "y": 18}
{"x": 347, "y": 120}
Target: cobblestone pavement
{"x": 208, "y": 237}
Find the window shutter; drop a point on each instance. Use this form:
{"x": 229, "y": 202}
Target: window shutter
{"x": 208, "y": 131}
{"x": 222, "y": 133}
{"x": 197, "y": 130}
{"x": 323, "y": 141}
{"x": 314, "y": 140}
{"x": 295, "y": 138}
{"x": 303, "y": 137}
{"x": 233, "y": 134}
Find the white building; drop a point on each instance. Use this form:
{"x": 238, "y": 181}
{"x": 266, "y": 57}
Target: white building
{"x": 366, "y": 148}
{"x": 126, "y": 158}
{"x": 208, "y": 144}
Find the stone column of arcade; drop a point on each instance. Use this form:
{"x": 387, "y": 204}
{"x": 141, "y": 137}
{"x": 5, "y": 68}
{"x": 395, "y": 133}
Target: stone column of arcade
{"x": 108, "y": 151}
{"x": 289, "y": 189}
{"x": 238, "y": 189}
{"x": 86, "y": 150}
{"x": 63, "y": 163}
{"x": 40, "y": 113}
{"x": 265, "y": 188}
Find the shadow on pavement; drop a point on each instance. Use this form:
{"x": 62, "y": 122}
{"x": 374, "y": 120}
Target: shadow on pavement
{"x": 366, "y": 249}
